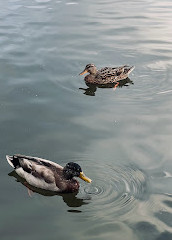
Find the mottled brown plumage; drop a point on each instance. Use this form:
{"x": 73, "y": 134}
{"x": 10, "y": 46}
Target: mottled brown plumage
{"x": 106, "y": 75}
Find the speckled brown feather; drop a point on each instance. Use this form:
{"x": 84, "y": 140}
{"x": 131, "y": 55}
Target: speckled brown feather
{"x": 109, "y": 75}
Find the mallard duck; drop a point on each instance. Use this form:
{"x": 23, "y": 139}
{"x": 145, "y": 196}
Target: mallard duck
{"x": 47, "y": 175}
{"x": 106, "y": 75}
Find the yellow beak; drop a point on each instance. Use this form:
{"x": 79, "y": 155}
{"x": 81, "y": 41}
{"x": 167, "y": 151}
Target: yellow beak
{"x": 82, "y": 73}
{"x": 83, "y": 177}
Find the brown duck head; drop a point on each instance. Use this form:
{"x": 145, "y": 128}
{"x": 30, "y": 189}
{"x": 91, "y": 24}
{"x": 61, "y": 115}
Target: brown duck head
{"x": 90, "y": 68}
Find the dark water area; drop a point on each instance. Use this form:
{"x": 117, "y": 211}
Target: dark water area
{"x": 121, "y": 138}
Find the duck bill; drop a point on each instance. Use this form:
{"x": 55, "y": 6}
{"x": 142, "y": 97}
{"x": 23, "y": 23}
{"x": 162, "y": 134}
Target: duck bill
{"x": 82, "y": 73}
{"x": 83, "y": 177}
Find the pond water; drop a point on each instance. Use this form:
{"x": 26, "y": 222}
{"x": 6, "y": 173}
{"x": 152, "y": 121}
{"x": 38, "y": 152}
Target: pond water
{"x": 122, "y": 139}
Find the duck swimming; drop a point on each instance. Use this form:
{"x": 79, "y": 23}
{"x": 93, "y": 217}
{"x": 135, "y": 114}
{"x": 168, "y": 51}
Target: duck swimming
{"x": 47, "y": 175}
{"x": 106, "y": 75}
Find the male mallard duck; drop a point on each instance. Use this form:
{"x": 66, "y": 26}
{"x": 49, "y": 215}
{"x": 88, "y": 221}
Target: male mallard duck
{"x": 47, "y": 175}
{"x": 106, "y": 75}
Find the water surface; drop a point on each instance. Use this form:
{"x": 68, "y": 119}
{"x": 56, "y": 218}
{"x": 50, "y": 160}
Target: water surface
{"x": 122, "y": 138}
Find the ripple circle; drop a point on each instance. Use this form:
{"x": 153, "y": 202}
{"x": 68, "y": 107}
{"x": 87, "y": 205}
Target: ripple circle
{"x": 115, "y": 191}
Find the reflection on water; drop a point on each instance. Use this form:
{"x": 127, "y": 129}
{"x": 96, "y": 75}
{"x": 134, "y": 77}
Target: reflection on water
{"x": 92, "y": 88}
{"x": 70, "y": 199}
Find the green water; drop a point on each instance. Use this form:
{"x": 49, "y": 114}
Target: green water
{"x": 122, "y": 139}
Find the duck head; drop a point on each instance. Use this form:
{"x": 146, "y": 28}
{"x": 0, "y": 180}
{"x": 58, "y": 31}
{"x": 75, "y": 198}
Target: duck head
{"x": 90, "y": 68}
{"x": 74, "y": 170}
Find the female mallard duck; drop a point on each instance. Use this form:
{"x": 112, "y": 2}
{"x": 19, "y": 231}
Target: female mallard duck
{"x": 106, "y": 75}
{"x": 47, "y": 175}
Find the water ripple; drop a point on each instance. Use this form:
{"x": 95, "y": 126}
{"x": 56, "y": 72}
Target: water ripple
{"x": 115, "y": 190}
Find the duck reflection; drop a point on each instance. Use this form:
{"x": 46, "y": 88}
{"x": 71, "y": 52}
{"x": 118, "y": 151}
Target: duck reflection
{"x": 92, "y": 88}
{"x": 70, "y": 199}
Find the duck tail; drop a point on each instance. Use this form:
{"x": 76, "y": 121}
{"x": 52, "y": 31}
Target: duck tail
{"x": 13, "y": 161}
{"x": 130, "y": 69}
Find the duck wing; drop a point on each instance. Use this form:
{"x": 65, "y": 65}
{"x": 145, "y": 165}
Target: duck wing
{"x": 37, "y": 172}
{"x": 18, "y": 159}
{"x": 109, "y": 74}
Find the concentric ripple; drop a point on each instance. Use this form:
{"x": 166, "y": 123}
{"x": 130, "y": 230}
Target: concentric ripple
{"x": 115, "y": 190}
